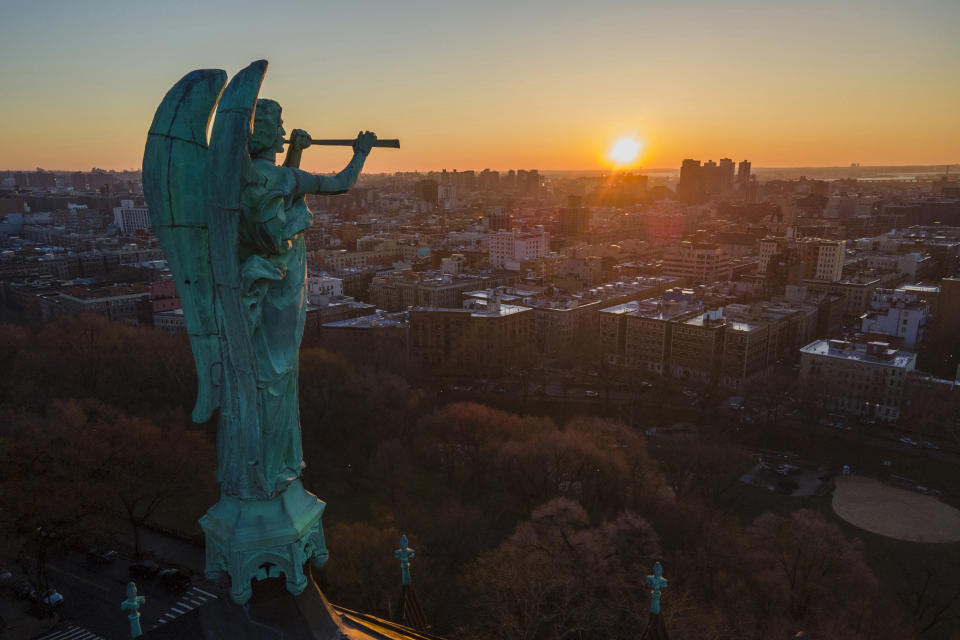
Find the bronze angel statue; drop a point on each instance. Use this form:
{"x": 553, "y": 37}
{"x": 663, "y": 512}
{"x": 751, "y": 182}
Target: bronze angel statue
{"x": 231, "y": 222}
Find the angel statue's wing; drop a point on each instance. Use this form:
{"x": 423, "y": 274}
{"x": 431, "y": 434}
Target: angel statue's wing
{"x": 229, "y": 171}
{"x": 174, "y": 173}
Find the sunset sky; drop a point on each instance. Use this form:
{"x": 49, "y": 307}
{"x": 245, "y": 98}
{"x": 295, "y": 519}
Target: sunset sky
{"x": 520, "y": 84}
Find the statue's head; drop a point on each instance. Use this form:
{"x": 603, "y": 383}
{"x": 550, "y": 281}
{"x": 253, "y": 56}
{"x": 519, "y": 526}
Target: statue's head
{"x": 267, "y": 128}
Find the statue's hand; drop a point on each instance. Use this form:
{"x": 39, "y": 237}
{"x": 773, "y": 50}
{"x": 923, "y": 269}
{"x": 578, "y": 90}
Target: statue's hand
{"x": 299, "y": 139}
{"x": 364, "y": 142}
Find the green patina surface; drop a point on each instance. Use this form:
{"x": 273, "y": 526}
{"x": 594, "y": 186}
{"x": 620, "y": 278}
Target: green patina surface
{"x": 404, "y": 554}
{"x": 131, "y": 606}
{"x": 231, "y": 222}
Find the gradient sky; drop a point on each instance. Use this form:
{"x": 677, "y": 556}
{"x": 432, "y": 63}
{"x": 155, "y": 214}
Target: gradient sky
{"x": 519, "y": 84}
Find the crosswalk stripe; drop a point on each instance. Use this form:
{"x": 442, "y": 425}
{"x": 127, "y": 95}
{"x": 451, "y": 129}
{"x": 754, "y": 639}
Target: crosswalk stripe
{"x": 206, "y": 593}
{"x": 178, "y": 610}
{"x": 71, "y": 632}
{"x": 170, "y": 615}
{"x": 195, "y": 602}
{"x": 184, "y": 605}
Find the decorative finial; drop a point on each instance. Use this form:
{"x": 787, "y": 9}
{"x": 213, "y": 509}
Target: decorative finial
{"x": 656, "y": 582}
{"x": 404, "y": 553}
{"x": 132, "y": 606}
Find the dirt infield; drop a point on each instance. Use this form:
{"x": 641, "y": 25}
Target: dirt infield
{"x": 895, "y": 513}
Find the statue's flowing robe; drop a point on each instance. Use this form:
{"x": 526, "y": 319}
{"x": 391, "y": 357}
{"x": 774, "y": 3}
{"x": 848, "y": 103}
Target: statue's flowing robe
{"x": 273, "y": 273}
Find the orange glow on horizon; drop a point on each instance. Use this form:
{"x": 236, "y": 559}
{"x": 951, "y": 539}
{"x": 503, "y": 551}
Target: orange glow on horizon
{"x": 625, "y": 152}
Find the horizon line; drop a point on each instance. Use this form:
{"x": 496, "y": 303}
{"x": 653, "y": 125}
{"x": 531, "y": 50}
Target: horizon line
{"x": 595, "y": 170}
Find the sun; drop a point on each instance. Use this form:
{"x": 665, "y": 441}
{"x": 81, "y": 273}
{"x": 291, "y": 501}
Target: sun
{"x": 625, "y": 151}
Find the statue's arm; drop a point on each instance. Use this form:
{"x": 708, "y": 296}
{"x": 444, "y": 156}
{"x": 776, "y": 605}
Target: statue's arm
{"x": 339, "y": 183}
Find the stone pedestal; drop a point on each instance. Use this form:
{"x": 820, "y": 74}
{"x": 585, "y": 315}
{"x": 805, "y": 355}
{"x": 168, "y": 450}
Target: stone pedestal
{"x": 259, "y": 539}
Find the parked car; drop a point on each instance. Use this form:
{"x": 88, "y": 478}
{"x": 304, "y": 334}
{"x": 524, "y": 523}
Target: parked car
{"x": 50, "y": 598}
{"x": 926, "y": 444}
{"x": 590, "y": 393}
{"x": 102, "y": 555}
{"x": 645, "y": 386}
{"x": 909, "y": 441}
{"x": 173, "y": 579}
{"x": 144, "y": 569}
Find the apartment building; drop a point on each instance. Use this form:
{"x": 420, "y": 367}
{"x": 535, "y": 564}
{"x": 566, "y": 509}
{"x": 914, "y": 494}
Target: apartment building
{"x": 486, "y": 340}
{"x": 397, "y": 291}
{"x": 865, "y": 380}
{"x": 823, "y": 259}
{"x": 129, "y": 218}
{"x": 898, "y": 314}
{"x": 638, "y": 334}
{"x": 701, "y": 262}
{"x": 696, "y": 347}
{"x": 510, "y": 249}
{"x": 857, "y": 291}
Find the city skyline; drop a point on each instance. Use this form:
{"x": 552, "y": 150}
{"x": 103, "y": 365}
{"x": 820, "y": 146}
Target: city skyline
{"x": 545, "y": 85}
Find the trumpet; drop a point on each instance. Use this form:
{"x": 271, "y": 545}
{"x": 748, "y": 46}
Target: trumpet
{"x": 344, "y": 142}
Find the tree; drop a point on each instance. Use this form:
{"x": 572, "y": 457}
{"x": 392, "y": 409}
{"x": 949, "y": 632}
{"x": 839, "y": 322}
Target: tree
{"x": 803, "y": 566}
{"x": 362, "y": 573}
{"x": 92, "y": 460}
{"x": 703, "y": 471}
{"x": 556, "y": 577}
{"x": 45, "y": 502}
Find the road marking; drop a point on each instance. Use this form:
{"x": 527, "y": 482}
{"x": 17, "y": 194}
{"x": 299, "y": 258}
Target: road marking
{"x": 184, "y": 605}
{"x": 81, "y": 579}
{"x": 178, "y": 610}
{"x": 197, "y": 603}
{"x": 71, "y": 632}
{"x": 171, "y": 616}
{"x": 206, "y": 593}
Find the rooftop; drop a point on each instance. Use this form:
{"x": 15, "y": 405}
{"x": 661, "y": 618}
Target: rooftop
{"x": 497, "y": 311}
{"x": 379, "y": 320}
{"x": 877, "y": 353}
{"x": 661, "y": 308}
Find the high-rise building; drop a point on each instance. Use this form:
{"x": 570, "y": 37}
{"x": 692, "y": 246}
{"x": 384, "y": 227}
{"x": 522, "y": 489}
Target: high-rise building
{"x": 743, "y": 174}
{"x": 711, "y": 178}
{"x": 574, "y": 218}
{"x": 427, "y": 190}
{"x": 691, "y": 188}
{"x": 726, "y": 169}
